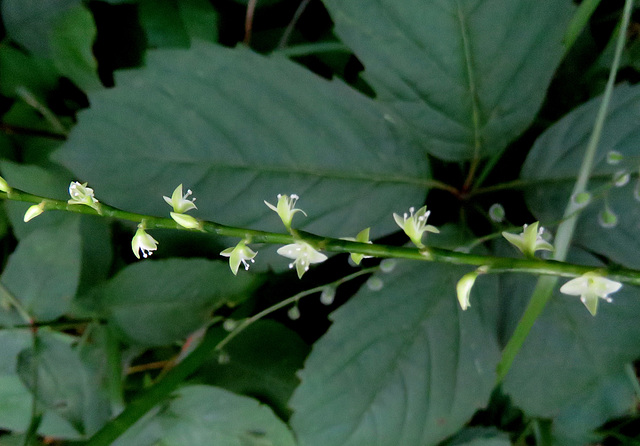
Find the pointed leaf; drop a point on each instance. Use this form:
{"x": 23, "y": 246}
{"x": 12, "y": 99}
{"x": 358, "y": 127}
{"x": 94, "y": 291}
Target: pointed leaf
{"x": 468, "y": 75}
{"x": 238, "y": 128}
{"x": 203, "y": 415}
{"x": 402, "y": 365}
{"x": 162, "y": 301}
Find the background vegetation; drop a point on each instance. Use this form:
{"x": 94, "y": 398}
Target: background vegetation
{"x": 363, "y": 108}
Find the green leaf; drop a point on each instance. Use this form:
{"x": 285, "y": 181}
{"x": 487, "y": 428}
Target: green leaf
{"x": 403, "y": 365}
{"x": 468, "y": 75}
{"x": 570, "y": 365}
{"x": 72, "y": 41}
{"x": 203, "y": 416}
{"x": 200, "y": 19}
{"x": 552, "y": 167}
{"x": 15, "y": 398}
{"x": 44, "y": 271}
{"x": 69, "y": 386}
{"x": 19, "y": 70}
{"x": 31, "y": 22}
{"x": 162, "y": 24}
{"x": 238, "y": 128}
{"x": 162, "y": 301}
{"x": 262, "y": 363}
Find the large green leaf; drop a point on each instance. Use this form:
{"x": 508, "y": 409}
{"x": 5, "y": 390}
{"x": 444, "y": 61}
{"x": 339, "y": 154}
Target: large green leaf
{"x": 61, "y": 30}
{"x": 68, "y": 385}
{"x": 553, "y": 163}
{"x": 403, "y": 365}
{"x": 238, "y": 128}
{"x": 15, "y": 398}
{"x": 203, "y": 416}
{"x": 159, "y": 302}
{"x": 31, "y": 22}
{"x": 72, "y": 41}
{"x": 44, "y": 271}
{"x": 571, "y": 364}
{"x": 468, "y": 75}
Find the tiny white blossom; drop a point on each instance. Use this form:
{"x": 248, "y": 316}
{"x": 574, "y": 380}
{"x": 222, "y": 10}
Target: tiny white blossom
{"x": 591, "y": 287}
{"x": 285, "y": 208}
{"x": 303, "y": 255}
{"x": 529, "y": 240}
{"x": 240, "y": 253}
{"x": 81, "y": 194}
{"x": 143, "y": 242}
{"x": 415, "y": 224}
{"x": 179, "y": 202}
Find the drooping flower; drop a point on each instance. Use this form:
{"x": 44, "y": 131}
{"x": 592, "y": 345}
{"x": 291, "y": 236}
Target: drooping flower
{"x": 143, "y": 242}
{"x": 529, "y": 240}
{"x": 591, "y": 287}
{"x": 415, "y": 224}
{"x": 4, "y": 186}
{"x": 303, "y": 255}
{"x": 463, "y": 289}
{"x": 34, "y": 211}
{"x": 362, "y": 237}
{"x": 179, "y": 202}
{"x": 240, "y": 253}
{"x": 285, "y": 208}
{"x": 81, "y": 194}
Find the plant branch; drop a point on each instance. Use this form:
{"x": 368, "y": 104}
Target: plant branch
{"x": 495, "y": 264}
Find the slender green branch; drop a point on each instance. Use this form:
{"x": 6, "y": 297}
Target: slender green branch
{"x": 210, "y": 344}
{"x": 544, "y": 289}
{"x": 494, "y": 264}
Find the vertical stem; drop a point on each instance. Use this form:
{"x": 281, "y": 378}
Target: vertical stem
{"x": 545, "y": 285}
{"x": 248, "y": 22}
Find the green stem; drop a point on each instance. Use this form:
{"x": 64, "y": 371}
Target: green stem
{"x": 495, "y": 264}
{"x": 545, "y": 286}
{"x": 210, "y": 344}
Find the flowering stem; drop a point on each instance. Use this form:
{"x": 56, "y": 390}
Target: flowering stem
{"x": 544, "y": 288}
{"x": 494, "y": 264}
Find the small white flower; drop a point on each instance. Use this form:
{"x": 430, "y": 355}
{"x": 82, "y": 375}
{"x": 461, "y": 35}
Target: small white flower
{"x": 303, "y": 255}
{"x": 34, "y": 211}
{"x": 143, "y": 242}
{"x": 529, "y": 240}
{"x": 285, "y": 208}
{"x": 179, "y": 201}
{"x": 240, "y": 253}
{"x": 186, "y": 221}
{"x": 415, "y": 224}
{"x": 81, "y": 194}
{"x": 591, "y": 287}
